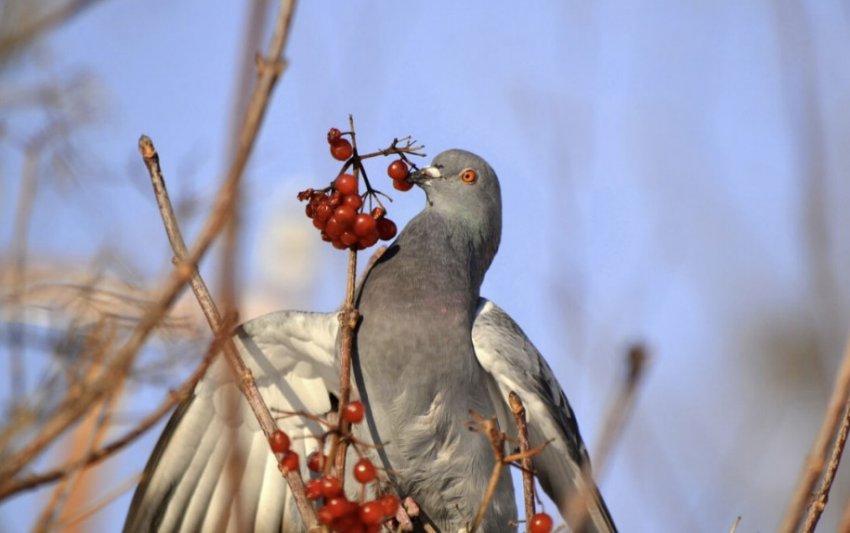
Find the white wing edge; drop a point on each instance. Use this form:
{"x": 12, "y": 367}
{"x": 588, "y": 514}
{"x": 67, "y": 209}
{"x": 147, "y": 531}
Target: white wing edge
{"x": 193, "y": 480}
{"x": 505, "y": 352}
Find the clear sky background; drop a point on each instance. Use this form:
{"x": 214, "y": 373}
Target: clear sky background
{"x": 672, "y": 173}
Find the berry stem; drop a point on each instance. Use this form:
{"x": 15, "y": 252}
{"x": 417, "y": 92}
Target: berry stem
{"x": 348, "y": 320}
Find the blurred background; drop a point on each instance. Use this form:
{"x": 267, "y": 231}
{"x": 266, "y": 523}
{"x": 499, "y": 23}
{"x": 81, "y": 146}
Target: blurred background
{"x": 673, "y": 174}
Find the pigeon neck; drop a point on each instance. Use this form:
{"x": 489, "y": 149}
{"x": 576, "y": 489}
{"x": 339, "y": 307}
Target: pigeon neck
{"x": 455, "y": 242}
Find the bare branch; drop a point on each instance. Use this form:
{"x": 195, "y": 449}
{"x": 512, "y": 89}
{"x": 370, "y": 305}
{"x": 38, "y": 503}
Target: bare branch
{"x": 244, "y": 376}
{"x": 816, "y": 460}
{"x": 819, "y": 503}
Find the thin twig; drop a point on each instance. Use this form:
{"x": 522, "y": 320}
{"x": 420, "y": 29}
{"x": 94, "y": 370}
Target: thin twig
{"x": 348, "y": 321}
{"x": 816, "y": 460}
{"x": 244, "y": 376}
{"x": 518, "y": 410}
{"x": 819, "y": 503}
{"x": 490, "y": 428}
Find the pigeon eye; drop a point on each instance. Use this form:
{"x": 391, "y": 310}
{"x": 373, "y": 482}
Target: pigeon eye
{"x": 469, "y": 176}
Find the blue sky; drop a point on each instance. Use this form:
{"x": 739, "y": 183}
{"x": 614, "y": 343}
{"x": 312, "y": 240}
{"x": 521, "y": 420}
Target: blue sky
{"x": 659, "y": 168}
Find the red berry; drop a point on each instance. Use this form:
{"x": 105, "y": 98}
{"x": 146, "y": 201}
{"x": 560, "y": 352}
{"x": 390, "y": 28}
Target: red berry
{"x": 323, "y": 211}
{"x": 333, "y": 228}
{"x": 344, "y": 214}
{"x": 368, "y": 240}
{"x": 378, "y": 213}
{"x": 348, "y": 239}
{"x": 371, "y": 513}
{"x": 310, "y": 210}
{"x": 333, "y": 134}
{"x": 349, "y": 523}
{"x": 363, "y": 225}
{"x": 319, "y": 223}
{"x": 341, "y": 149}
{"x": 346, "y": 184}
{"x": 389, "y": 504}
{"x": 313, "y": 489}
{"x": 279, "y": 442}
{"x": 386, "y": 229}
{"x": 339, "y": 506}
{"x": 353, "y": 412}
{"x": 364, "y": 471}
{"x": 325, "y": 515}
{"x": 354, "y": 201}
{"x": 330, "y": 487}
{"x": 316, "y": 461}
{"x": 540, "y": 523}
{"x": 402, "y": 185}
{"x": 338, "y": 244}
{"x": 289, "y": 461}
{"x": 397, "y": 170}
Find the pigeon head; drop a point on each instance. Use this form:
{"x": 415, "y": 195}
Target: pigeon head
{"x": 464, "y": 189}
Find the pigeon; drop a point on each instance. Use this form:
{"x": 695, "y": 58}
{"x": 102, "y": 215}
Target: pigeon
{"x": 429, "y": 351}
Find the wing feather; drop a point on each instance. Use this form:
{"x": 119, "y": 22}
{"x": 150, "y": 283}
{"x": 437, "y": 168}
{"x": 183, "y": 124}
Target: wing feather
{"x": 195, "y": 480}
{"x": 515, "y": 365}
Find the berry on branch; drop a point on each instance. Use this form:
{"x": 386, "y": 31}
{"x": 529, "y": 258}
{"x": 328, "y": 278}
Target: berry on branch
{"x": 342, "y": 215}
{"x": 353, "y": 412}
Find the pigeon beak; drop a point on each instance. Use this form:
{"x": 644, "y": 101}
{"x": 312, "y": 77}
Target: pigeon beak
{"x": 424, "y": 175}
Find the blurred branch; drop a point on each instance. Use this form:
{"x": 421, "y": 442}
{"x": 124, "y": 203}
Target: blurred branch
{"x": 29, "y": 30}
{"x": 612, "y": 428}
{"x": 816, "y": 460}
{"x": 34, "y": 481}
{"x": 79, "y": 399}
{"x": 615, "y": 421}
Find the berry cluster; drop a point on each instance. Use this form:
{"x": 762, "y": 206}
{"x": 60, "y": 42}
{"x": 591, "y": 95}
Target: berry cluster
{"x": 339, "y": 211}
{"x": 336, "y": 510}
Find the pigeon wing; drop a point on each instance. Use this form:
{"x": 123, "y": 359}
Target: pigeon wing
{"x": 511, "y": 359}
{"x": 193, "y": 480}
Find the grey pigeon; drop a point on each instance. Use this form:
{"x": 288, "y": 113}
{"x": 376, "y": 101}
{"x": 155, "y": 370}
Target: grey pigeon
{"x": 429, "y": 350}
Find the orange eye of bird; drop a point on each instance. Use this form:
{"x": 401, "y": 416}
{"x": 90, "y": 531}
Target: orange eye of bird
{"x": 469, "y": 176}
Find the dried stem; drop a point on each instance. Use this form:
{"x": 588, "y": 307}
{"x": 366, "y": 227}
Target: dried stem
{"x": 518, "y": 410}
{"x": 348, "y": 321}
{"x": 816, "y": 460}
{"x": 245, "y": 379}
{"x": 819, "y": 503}
{"x": 490, "y": 427}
